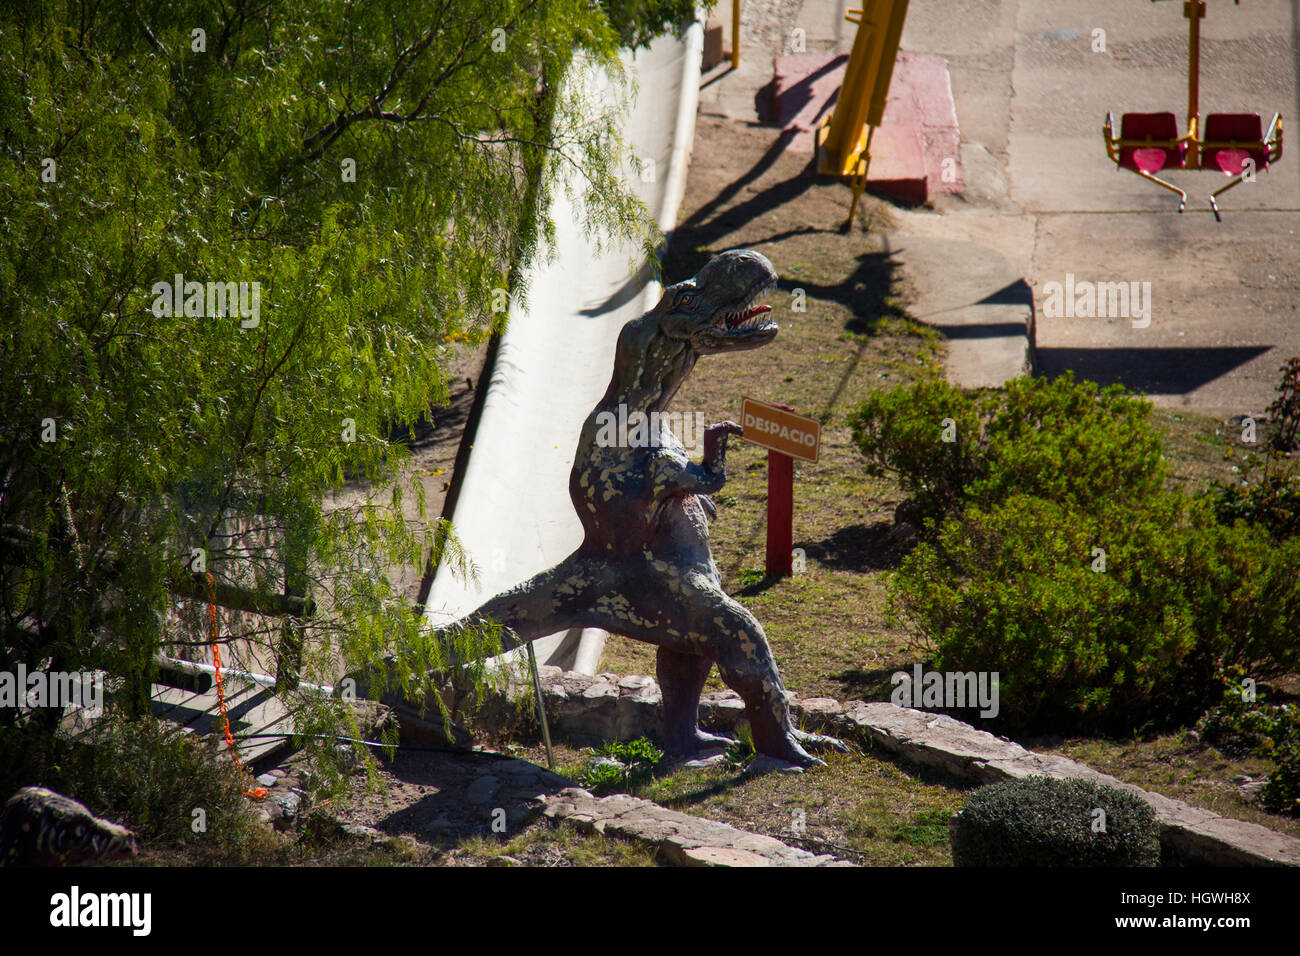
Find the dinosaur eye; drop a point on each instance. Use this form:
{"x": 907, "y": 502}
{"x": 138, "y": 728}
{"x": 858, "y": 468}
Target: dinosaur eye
{"x": 687, "y": 299}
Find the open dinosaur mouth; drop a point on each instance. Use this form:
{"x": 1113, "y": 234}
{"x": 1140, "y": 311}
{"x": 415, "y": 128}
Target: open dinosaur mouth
{"x": 747, "y": 317}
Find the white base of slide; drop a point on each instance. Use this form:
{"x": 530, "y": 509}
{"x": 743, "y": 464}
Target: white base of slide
{"x": 514, "y": 517}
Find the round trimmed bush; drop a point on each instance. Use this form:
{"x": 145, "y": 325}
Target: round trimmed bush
{"x": 1044, "y": 821}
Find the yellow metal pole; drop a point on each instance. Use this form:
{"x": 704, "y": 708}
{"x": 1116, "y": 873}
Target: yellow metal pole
{"x": 1194, "y": 10}
{"x": 866, "y": 85}
{"x": 849, "y": 120}
{"x": 735, "y": 34}
{"x": 892, "y": 17}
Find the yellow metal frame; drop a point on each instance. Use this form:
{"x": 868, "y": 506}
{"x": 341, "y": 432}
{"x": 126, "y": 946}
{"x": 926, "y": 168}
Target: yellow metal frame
{"x": 843, "y": 140}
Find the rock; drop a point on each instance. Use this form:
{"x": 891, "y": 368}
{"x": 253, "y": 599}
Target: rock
{"x": 904, "y": 534}
{"x": 360, "y": 831}
{"x": 721, "y": 856}
{"x": 284, "y": 806}
{"x": 700, "y": 763}
{"x": 288, "y": 800}
{"x": 267, "y": 780}
{"x": 1250, "y": 791}
{"x": 575, "y": 684}
{"x": 721, "y": 713}
{"x": 482, "y": 790}
{"x": 41, "y": 827}
{"x": 347, "y": 757}
{"x": 635, "y": 682}
{"x": 819, "y": 706}
{"x": 907, "y": 512}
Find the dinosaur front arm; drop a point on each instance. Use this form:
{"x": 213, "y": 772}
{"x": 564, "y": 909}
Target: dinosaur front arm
{"x": 677, "y": 475}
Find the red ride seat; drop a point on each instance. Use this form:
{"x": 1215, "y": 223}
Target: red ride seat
{"x": 1232, "y": 138}
{"x": 1159, "y": 131}
{"x": 1236, "y": 145}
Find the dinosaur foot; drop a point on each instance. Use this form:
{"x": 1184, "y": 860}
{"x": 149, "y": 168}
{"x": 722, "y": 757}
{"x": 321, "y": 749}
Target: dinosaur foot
{"x": 788, "y": 747}
{"x": 700, "y": 748}
{"x": 762, "y": 764}
{"x": 821, "y": 743}
{"x": 701, "y": 751}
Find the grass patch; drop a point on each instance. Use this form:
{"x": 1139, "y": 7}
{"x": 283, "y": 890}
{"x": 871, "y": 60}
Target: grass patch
{"x": 859, "y": 807}
{"x": 541, "y": 844}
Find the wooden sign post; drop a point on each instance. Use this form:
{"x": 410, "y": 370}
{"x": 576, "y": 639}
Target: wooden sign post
{"x": 786, "y": 436}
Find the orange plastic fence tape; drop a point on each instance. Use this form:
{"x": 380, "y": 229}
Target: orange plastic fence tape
{"x": 257, "y": 793}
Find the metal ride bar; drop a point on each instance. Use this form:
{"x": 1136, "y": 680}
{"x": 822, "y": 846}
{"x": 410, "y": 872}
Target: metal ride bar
{"x": 1231, "y": 143}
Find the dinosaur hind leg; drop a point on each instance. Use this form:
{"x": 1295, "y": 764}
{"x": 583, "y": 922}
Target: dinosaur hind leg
{"x": 681, "y": 679}
{"x": 746, "y": 665}
{"x": 696, "y": 623}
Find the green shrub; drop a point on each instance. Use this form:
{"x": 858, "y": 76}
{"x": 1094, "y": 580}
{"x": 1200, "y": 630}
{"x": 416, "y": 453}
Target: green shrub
{"x": 1285, "y": 410}
{"x": 1281, "y": 793}
{"x": 1076, "y": 444}
{"x": 1237, "y": 725}
{"x": 1019, "y": 589}
{"x": 901, "y": 433}
{"x": 1058, "y": 559}
{"x": 740, "y": 753}
{"x": 636, "y": 761}
{"x": 145, "y": 775}
{"x": 1240, "y": 726}
{"x": 1043, "y": 821}
{"x": 1268, "y": 498}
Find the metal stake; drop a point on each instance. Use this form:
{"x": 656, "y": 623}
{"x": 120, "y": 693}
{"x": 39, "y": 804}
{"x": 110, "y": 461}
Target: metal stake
{"x": 541, "y": 706}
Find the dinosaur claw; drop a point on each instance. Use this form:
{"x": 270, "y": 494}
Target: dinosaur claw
{"x": 821, "y": 742}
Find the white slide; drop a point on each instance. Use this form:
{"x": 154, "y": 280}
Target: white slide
{"x": 514, "y": 517}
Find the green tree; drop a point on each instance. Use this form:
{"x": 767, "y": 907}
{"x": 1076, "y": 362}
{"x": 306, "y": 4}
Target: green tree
{"x": 364, "y": 164}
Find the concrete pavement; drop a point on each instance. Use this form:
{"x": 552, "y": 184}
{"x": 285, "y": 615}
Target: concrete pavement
{"x": 1043, "y": 202}
{"x": 1031, "y": 94}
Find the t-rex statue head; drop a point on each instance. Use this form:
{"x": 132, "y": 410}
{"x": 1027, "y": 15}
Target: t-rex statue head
{"x": 714, "y": 310}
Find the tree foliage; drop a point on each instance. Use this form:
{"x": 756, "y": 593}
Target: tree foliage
{"x": 379, "y": 169}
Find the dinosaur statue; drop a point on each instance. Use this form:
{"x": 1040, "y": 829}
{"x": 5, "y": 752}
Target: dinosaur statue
{"x": 645, "y": 569}
{"x": 42, "y": 828}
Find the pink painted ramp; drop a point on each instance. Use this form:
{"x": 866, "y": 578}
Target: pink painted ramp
{"x": 915, "y": 153}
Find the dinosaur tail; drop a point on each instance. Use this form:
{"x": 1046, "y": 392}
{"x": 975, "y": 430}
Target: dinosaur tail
{"x": 557, "y": 599}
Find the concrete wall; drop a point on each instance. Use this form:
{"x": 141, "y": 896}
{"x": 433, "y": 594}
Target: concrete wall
{"x": 514, "y": 517}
